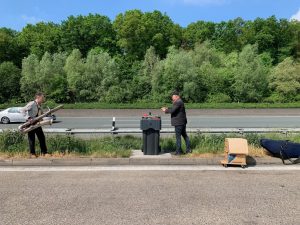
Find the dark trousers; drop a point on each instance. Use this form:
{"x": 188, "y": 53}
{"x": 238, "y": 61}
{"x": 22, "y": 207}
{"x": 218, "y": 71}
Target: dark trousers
{"x": 181, "y": 131}
{"x": 31, "y": 138}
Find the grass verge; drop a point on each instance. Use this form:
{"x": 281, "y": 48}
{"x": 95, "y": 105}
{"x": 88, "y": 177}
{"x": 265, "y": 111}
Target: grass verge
{"x": 14, "y": 144}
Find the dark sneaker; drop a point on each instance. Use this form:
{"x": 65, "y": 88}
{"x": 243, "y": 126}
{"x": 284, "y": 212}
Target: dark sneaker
{"x": 179, "y": 153}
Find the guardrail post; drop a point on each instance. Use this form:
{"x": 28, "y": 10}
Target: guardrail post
{"x": 113, "y": 125}
{"x": 69, "y": 134}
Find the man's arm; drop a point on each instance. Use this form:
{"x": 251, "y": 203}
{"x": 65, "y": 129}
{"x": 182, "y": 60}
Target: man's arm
{"x": 175, "y": 107}
{"x": 27, "y": 110}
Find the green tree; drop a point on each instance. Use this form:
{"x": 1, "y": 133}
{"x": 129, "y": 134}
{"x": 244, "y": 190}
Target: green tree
{"x": 268, "y": 34}
{"x": 227, "y": 71}
{"x": 87, "y": 32}
{"x": 198, "y": 32}
{"x": 294, "y": 46}
{"x": 209, "y": 81}
{"x": 251, "y": 76}
{"x": 141, "y": 84}
{"x": 92, "y": 78}
{"x": 46, "y": 75}
{"x": 10, "y": 79}
{"x": 9, "y": 49}
{"x": 74, "y": 68}
{"x": 40, "y": 38}
{"x": 30, "y": 83}
{"x": 285, "y": 81}
{"x": 176, "y": 72}
{"x": 137, "y": 31}
{"x": 101, "y": 74}
{"x": 228, "y": 34}
{"x": 57, "y": 88}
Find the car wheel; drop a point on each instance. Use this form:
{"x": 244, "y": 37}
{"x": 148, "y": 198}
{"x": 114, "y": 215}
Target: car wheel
{"x": 5, "y": 120}
{"x": 53, "y": 117}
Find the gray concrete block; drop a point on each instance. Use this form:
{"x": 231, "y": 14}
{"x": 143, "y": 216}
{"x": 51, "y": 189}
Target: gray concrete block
{"x": 31, "y": 162}
{"x": 109, "y": 161}
{"x": 6, "y": 162}
{"x": 72, "y": 162}
{"x": 148, "y": 161}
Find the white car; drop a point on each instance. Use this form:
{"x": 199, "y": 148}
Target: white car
{"x": 14, "y": 115}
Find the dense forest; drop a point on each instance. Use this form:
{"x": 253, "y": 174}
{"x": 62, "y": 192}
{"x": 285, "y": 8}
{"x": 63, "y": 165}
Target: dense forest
{"x": 145, "y": 56}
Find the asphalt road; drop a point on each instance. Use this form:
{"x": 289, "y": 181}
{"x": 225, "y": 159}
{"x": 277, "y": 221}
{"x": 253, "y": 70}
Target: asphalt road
{"x": 247, "y": 118}
{"x": 150, "y": 197}
{"x": 193, "y": 122}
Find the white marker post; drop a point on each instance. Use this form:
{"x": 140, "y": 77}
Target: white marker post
{"x": 113, "y": 123}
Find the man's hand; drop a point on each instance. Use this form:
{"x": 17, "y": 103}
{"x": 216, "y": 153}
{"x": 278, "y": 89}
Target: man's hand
{"x": 31, "y": 121}
{"x": 164, "y": 109}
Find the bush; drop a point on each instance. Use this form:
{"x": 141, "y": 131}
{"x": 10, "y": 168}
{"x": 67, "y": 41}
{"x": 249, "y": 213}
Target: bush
{"x": 218, "y": 98}
{"x": 275, "y": 98}
{"x": 67, "y": 144}
{"x": 114, "y": 146}
{"x": 199, "y": 143}
{"x": 207, "y": 143}
{"x": 12, "y": 141}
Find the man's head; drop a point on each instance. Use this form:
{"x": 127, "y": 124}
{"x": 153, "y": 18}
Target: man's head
{"x": 175, "y": 96}
{"x": 39, "y": 98}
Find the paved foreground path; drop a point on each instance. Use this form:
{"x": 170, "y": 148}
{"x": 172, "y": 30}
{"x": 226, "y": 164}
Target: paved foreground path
{"x": 150, "y": 195}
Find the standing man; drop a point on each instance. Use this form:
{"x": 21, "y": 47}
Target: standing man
{"x": 178, "y": 119}
{"x": 32, "y": 110}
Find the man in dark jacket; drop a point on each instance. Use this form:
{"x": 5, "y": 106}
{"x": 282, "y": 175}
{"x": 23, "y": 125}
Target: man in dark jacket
{"x": 179, "y": 121}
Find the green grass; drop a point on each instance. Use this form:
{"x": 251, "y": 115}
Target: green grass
{"x": 143, "y": 105}
{"x": 203, "y": 144}
{"x": 14, "y": 144}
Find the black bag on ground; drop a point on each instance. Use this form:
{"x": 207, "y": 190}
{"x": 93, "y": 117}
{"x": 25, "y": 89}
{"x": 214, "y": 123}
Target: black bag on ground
{"x": 285, "y": 150}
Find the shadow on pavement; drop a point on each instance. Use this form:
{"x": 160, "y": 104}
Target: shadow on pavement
{"x": 250, "y": 161}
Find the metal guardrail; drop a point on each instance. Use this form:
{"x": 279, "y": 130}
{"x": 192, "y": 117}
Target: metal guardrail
{"x": 169, "y": 130}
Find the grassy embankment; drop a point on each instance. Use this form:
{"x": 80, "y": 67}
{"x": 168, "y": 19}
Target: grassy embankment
{"x": 14, "y": 144}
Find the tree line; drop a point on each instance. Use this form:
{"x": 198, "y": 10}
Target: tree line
{"x": 144, "y": 56}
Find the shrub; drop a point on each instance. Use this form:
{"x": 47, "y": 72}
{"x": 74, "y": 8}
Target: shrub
{"x": 67, "y": 144}
{"x": 12, "y": 141}
{"x": 218, "y": 98}
{"x": 114, "y": 146}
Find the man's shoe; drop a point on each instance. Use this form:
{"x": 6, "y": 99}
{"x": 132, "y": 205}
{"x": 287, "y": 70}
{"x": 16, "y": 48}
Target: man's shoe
{"x": 33, "y": 156}
{"x": 189, "y": 151}
{"x": 46, "y": 155}
{"x": 179, "y": 153}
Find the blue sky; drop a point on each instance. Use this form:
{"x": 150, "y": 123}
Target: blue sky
{"x": 16, "y": 14}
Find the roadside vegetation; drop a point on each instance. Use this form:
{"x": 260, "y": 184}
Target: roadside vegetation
{"x": 93, "y": 62}
{"x": 14, "y": 144}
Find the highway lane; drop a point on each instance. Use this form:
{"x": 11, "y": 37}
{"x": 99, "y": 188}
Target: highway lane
{"x": 203, "y": 121}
